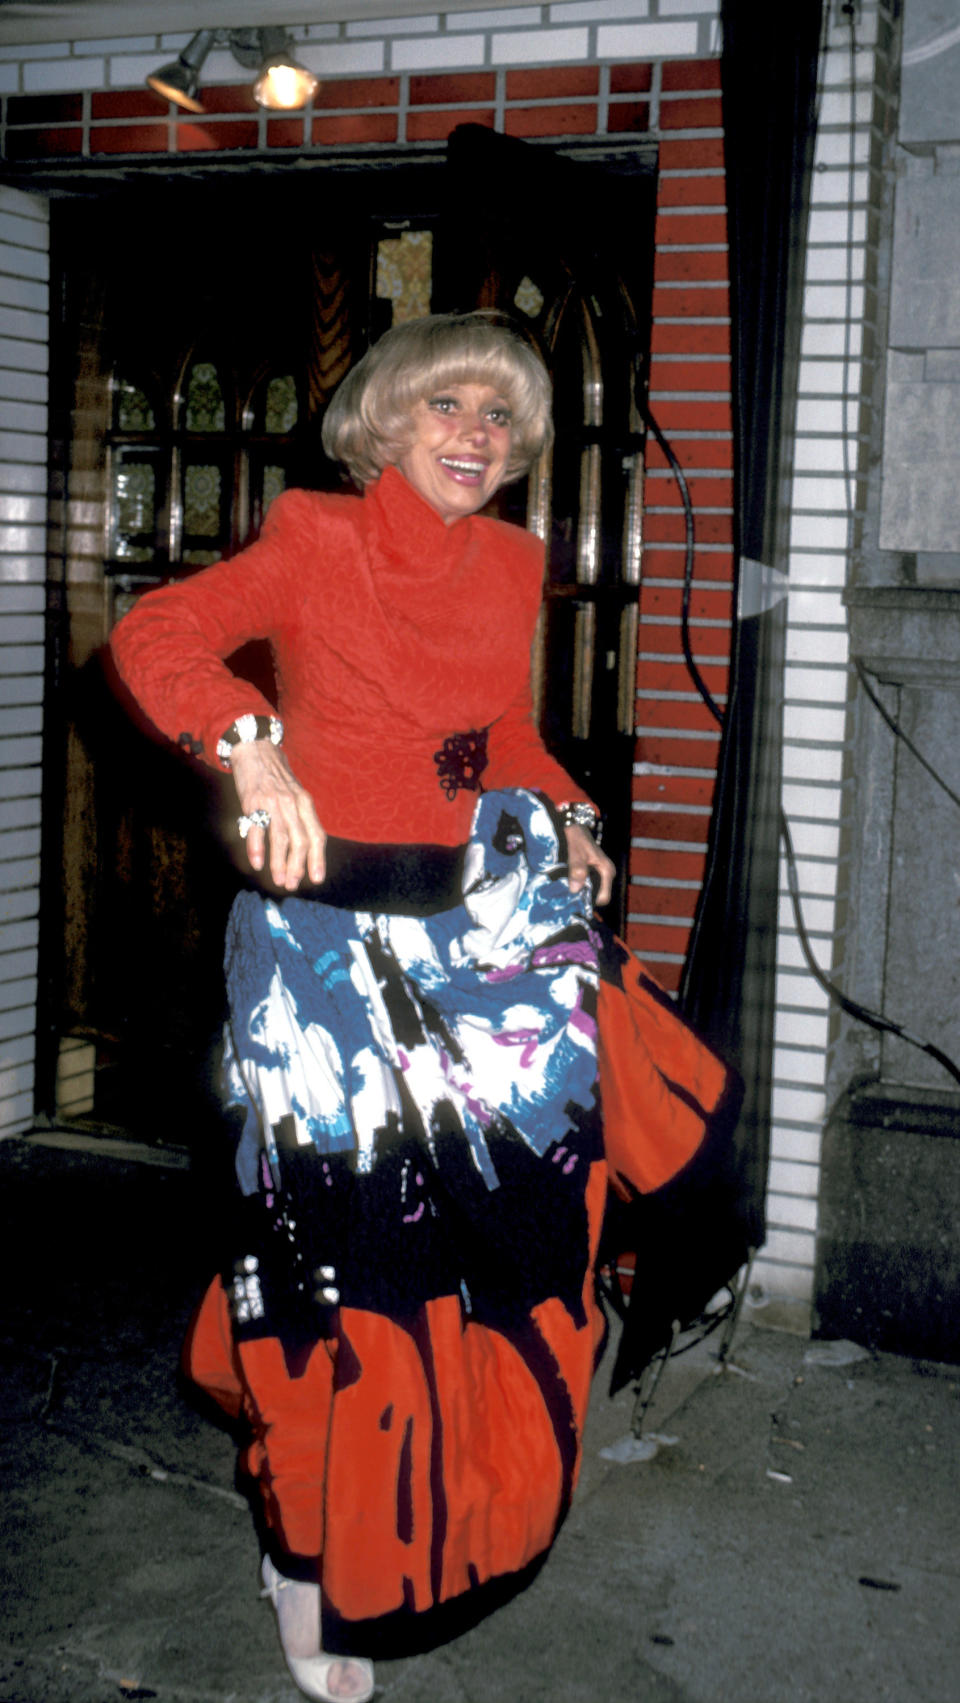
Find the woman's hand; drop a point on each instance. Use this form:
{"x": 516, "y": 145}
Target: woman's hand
{"x": 264, "y": 781}
{"x": 584, "y": 855}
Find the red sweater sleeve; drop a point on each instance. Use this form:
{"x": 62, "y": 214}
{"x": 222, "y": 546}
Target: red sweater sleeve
{"x": 169, "y": 649}
{"x": 517, "y": 756}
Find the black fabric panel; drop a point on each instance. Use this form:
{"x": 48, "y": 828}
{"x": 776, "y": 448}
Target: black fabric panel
{"x": 769, "y": 78}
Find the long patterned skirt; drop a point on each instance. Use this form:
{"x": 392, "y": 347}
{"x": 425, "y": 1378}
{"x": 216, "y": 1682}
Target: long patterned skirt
{"x": 407, "y": 1316}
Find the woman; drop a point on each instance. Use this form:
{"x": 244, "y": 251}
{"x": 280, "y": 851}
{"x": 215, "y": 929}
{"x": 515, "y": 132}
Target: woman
{"x": 405, "y": 1312}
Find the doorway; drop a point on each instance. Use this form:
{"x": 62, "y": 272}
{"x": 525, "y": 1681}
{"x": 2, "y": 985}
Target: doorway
{"x": 204, "y": 323}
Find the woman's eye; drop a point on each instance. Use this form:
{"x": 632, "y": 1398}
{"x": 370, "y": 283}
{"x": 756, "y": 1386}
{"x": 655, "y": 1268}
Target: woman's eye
{"x": 501, "y": 416}
{"x": 443, "y": 404}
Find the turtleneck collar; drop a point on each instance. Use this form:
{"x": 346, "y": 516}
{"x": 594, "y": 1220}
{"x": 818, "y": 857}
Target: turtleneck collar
{"x": 410, "y": 519}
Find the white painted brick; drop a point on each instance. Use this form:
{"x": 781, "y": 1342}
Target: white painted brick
{"x": 21, "y": 539}
{"x": 647, "y": 41}
{"x": 516, "y": 17}
{"x": 23, "y": 416}
{"x": 832, "y": 185}
{"x": 820, "y": 685}
{"x": 818, "y": 570}
{"x": 16, "y": 936}
{"x": 18, "y": 476}
{"x": 20, "y": 872}
{"x": 790, "y": 1177}
{"x": 18, "y": 508}
{"x": 399, "y": 26}
{"x": 26, "y": 263}
{"x": 836, "y": 265}
{"x": 597, "y": 11}
{"x": 341, "y": 59}
{"x": 21, "y": 992}
{"x": 819, "y": 915}
{"x": 819, "y": 532}
{"x": 15, "y": 965}
{"x": 834, "y": 147}
{"x": 796, "y": 989}
{"x": 795, "y": 1246}
{"x": 821, "y": 382}
{"x": 828, "y": 492}
{"x": 28, "y": 357}
{"x": 23, "y": 446}
{"x": 814, "y": 722}
{"x": 837, "y": 225}
{"x": 833, "y": 301}
{"x": 816, "y": 605}
{"x": 816, "y": 840}
{"x": 118, "y": 44}
{"x": 22, "y": 630}
{"x": 16, "y": 1114}
{"x": 18, "y": 719}
{"x": 808, "y": 763}
{"x": 17, "y": 813}
{"x": 822, "y": 645}
{"x": 677, "y": 8}
{"x": 824, "y": 455}
{"x": 15, "y": 907}
{"x": 790, "y": 1212}
{"x": 22, "y": 387}
{"x": 21, "y": 599}
{"x": 819, "y": 802}
{"x": 21, "y": 1020}
{"x": 437, "y": 53}
{"x": 791, "y": 1064}
{"x": 539, "y": 47}
{"x": 19, "y": 842}
{"x": 36, "y": 50}
{"x": 790, "y": 1143}
{"x": 25, "y": 570}
{"x": 19, "y": 659}
{"x": 318, "y": 32}
{"x": 174, "y": 43}
{"x": 64, "y": 76}
{"x": 15, "y": 1079}
{"x": 802, "y": 1029}
{"x": 22, "y": 236}
{"x": 9, "y": 79}
{"x": 21, "y": 753}
{"x": 836, "y": 109}
{"x": 815, "y": 877}
{"x": 825, "y": 338}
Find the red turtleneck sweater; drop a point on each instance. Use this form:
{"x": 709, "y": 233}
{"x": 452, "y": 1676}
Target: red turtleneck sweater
{"x": 390, "y": 632}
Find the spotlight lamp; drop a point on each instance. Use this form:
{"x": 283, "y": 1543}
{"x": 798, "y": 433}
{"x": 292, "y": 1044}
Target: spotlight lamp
{"x": 281, "y": 84}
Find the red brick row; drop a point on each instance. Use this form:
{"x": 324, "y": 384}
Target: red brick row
{"x": 687, "y": 715}
{"x": 664, "y": 901}
{"x": 657, "y": 640}
{"x": 705, "y": 605}
{"x": 659, "y": 673}
{"x": 665, "y": 863}
{"x": 671, "y": 564}
{"x": 670, "y": 529}
{"x": 679, "y": 753}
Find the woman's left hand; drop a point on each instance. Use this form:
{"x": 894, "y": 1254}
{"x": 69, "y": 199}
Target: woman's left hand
{"x": 584, "y": 855}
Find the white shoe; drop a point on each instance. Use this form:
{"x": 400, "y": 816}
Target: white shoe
{"x": 313, "y": 1672}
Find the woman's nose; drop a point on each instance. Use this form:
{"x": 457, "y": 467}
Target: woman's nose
{"x": 474, "y": 426}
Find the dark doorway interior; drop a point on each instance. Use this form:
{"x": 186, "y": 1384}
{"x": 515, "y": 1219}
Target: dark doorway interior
{"x": 204, "y": 323}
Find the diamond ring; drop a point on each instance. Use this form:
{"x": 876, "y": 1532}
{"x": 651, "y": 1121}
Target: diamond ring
{"x": 256, "y": 819}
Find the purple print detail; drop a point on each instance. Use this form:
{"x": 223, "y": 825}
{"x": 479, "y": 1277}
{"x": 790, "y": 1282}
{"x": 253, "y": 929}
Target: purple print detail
{"x": 509, "y": 974}
{"x": 586, "y": 1025}
{"x": 565, "y": 952}
{"x": 525, "y": 1038}
{"x": 402, "y": 1059}
{"x": 413, "y": 1217}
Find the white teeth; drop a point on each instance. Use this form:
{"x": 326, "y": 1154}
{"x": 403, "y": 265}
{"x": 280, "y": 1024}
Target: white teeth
{"x": 465, "y": 466}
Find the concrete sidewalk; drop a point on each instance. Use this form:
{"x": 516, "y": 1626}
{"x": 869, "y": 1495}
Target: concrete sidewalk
{"x": 796, "y": 1538}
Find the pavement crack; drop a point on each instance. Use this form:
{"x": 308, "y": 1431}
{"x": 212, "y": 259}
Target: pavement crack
{"x": 144, "y": 1463}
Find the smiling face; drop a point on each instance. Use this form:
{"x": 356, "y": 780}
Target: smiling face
{"x": 458, "y": 455}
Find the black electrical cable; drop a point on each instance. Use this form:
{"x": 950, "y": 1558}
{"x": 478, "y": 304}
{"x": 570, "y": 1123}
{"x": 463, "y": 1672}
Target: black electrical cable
{"x": 852, "y": 1007}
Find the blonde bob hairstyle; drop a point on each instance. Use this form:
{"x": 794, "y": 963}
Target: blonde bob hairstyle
{"x": 369, "y": 423}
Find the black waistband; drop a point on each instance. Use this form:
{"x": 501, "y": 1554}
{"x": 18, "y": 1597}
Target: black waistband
{"x": 402, "y": 880}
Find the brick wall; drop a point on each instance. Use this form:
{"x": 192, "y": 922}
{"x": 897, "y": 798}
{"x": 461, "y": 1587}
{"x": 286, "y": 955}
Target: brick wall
{"x": 60, "y": 111}
{"x": 559, "y": 73}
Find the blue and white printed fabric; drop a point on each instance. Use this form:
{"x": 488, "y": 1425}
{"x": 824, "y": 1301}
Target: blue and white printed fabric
{"x": 484, "y": 1014}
